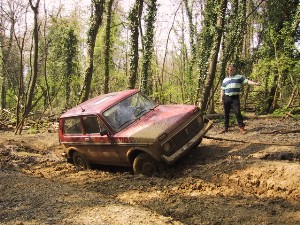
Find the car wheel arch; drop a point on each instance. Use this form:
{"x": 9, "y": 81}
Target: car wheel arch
{"x": 70, "y": 153}
{"x": 134, "y": 152}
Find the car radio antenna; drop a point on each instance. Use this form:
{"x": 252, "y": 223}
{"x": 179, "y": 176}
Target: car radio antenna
{"x": 82, "y": 109}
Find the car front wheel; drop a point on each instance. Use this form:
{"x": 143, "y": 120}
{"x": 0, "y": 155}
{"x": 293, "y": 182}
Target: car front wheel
{"x": 80, "y": 161}
{"x": 145, "y": 164}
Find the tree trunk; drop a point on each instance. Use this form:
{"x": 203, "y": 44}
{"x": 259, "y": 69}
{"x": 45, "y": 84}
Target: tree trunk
{"x": 5, "y": 61}
{"x": 20, "y": 96}
{"x": 246, "y": 94}
{"x": 192, "y": 61}
{"x": 31, "y": 89}
{"x": 205, "y": 45}
{"x": 271, "y": 95}
{"x": 35, "y": 57}
{"x": 150, "y": 20}
{"x": 96, "y": 21}
{"x": 292, "y": 97}
{"x": 160, "y": 78}
{"x": 3, "y": 87}
{"x": 134, "y": 20}
{"x": 214, "y": 56}
{"x": 107, "y": 47}
{"x": 47, "y": 100}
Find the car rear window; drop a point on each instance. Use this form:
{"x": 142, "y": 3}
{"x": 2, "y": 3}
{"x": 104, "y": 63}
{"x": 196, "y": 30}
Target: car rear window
{"x": 72, "y": 126}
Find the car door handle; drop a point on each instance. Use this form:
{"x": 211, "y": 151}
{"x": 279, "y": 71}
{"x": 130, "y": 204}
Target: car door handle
{"x": 87, "y": 139}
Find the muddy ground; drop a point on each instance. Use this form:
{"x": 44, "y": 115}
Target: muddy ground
{"x": 228, "y": 179}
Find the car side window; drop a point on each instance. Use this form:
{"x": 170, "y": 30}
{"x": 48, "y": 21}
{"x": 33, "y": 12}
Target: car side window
{"x": 72, "y": 126}
{"x": 91, "y": 125}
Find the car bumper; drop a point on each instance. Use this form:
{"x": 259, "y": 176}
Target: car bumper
{"x": 191, "y": 144}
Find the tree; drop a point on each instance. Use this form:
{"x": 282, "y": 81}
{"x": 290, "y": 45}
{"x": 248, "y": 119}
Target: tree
{"x": 192, "y": 39}
{"x": 161, "y": 84}
{"x": 278, "y": 50}
{"x": 134, "y": 23}
{"x": 107, "y": 56}
{"x": 20, "y": 41}
{"x": 205, "y": 43}
{"x": 10, "y": 13}
{"x": 30, "y": 95}
{"x": 214, "y": 54}
{"x": 70, "y": 54}
{"x": 149, "y": 35}
{"x": 95, "y": 23}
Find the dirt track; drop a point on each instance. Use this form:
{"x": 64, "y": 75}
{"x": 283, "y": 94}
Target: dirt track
{"x": 229, "y": 179}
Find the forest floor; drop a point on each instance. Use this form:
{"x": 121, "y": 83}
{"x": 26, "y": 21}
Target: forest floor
{"x": 228, "y": 179}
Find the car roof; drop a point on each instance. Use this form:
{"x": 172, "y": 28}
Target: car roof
{"x": 98, "y": 104}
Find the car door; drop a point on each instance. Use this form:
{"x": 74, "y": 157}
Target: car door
{"x": 98, "y": 148}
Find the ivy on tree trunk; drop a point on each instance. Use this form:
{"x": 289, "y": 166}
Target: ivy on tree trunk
{"x": 214, "y": 55}
{"x": 95, "y": 23}
{"x": 134, "y": 23}
{"x": 107, "y": 47}
{"x": 149, "y": 20}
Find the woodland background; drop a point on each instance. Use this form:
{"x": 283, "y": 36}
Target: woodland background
{"x": 55, "y": 55}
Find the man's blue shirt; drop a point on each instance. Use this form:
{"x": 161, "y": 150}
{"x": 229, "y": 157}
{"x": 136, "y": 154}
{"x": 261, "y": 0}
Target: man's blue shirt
{"x": 232, "y": 85}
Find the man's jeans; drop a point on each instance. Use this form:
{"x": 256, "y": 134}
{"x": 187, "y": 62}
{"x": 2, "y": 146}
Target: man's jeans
{"x": 233, "y": 101}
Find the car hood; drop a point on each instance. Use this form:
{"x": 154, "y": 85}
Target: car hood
{"x": 163, "y": 119}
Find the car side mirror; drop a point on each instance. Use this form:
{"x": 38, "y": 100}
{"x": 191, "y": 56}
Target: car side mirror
{"x": 103, "y": 132}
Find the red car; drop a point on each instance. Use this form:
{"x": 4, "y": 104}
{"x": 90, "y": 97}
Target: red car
{"x": 126, "y": 128}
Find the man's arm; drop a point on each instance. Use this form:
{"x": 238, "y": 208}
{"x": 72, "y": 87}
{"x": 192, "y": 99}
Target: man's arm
{"x": 222, "y": 95}
{"x": 253, "y": 83}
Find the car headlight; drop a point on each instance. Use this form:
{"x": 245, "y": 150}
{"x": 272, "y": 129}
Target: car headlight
{"x": 167, "y": 147}
{"x": 199, "y": 119}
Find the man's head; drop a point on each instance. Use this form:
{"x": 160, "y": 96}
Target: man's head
{"x": 231, "y": 69}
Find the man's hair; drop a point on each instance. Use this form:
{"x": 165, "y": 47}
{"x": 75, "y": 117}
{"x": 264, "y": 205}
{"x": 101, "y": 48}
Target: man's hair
{"x": 231, "y": 64}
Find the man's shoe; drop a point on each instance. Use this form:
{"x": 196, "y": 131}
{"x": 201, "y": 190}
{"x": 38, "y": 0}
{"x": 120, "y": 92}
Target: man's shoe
{"x": 242, "y": 130}
{"x": 224, "y": 131}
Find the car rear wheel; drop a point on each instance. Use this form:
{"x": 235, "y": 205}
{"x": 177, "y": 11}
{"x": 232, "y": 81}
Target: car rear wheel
{"x": 80, "y": 161}
{"x": 145, "y": 164}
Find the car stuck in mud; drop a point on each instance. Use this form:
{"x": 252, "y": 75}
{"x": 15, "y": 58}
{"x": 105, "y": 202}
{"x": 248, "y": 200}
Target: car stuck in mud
{"x": 127, "y": 128}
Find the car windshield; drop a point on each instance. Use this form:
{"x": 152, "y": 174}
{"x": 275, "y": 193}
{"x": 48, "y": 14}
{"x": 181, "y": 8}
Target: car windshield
{"x": 128, "y": 110}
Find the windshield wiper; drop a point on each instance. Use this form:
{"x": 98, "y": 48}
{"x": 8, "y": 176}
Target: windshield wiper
{"x": 140, "y": 112}
{"x": 127, "y": 121}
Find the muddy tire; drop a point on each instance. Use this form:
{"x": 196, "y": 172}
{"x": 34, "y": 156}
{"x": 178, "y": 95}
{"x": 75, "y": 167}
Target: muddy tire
{"x": 145, "y": 164}
{"x": 80, "y": 162}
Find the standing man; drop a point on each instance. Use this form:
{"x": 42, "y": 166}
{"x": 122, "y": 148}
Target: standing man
{"x": 230, "y": 96}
